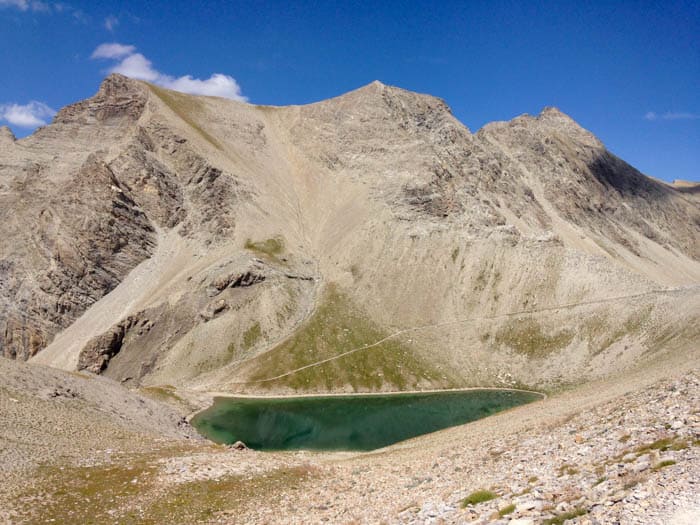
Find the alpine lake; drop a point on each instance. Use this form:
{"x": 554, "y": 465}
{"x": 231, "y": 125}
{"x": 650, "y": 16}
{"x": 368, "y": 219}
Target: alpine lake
{"x": 347, "y": 422}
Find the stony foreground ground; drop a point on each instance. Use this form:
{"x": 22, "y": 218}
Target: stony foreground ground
{"x": 614, "y": 452}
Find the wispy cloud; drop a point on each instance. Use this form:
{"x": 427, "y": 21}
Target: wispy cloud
{"x": 111, "y": 22}
{"x": 37, "y": 6}
{"x": 671, "y": 115}
{"x": 113, "y": 50}
{"x": 26, "y": 5}
{"x": 28, "y": 115}
{"x": 135, "y": 65}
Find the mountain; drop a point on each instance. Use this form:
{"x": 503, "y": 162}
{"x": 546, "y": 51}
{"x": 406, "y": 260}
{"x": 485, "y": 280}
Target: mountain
{"x": 161, "y": 238}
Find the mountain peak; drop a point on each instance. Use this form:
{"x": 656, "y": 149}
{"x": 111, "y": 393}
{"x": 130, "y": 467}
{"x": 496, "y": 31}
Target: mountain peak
{"x": 553, "y": 113}
{"x": 373, "y": 88}
{"x": 115, "y": 83}
{"x": 118, "y": 97}
{"x": 6, "y": 134}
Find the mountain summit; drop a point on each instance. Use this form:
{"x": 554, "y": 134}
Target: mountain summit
{"x": 162, "y": 238}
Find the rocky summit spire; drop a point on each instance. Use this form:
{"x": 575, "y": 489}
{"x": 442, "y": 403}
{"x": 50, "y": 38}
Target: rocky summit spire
{"x": 119, "y": 97}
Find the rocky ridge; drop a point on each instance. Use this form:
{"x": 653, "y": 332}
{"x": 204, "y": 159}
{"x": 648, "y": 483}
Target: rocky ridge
{"x": 380, "y": 193}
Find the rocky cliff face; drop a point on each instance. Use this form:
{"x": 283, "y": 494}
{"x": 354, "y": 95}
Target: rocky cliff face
{"x": 71, "y": 229}
{"x": 523, "y": 253}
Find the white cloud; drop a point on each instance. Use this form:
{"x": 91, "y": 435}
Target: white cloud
{"x": 28, "y": 115}
{"x": 671, "y": 115}
{"x": 217, "y": 85}
{"x": 80, "y": 16}
{"x": 111, "y": 22}
{"x": 680, "y": 115}
{"x": 113, "y": 50}
{"x": 139, "y": 67}
{"x": 135, "y": 65}
{"x": 26, "y": 5}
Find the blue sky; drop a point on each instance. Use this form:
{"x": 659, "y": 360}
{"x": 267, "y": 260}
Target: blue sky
{"x": 628, "y": 71}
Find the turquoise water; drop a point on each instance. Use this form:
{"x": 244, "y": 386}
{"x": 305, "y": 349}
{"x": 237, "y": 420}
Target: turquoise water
{"x": 349, "y": 422}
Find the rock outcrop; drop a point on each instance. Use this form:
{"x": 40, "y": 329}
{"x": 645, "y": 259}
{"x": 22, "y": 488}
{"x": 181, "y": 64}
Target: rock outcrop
{"x": 96, "y": 355}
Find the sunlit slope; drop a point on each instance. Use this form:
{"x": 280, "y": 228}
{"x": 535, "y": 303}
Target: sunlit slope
{"x": 276, "y": 239}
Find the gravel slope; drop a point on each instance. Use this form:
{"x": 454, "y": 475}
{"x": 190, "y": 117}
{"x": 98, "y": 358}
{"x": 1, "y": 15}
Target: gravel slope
{"x": 605, "y": 449}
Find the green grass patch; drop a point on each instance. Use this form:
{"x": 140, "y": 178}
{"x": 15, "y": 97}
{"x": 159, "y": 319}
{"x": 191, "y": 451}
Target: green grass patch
{"x": 527, "y": 337}
{"x": 269, "y": 247}
{"x": 480, "y": 496}
{"x": 664, "y": 463}
{"x": 662, "y": 445}
{"x": 185, "y": 107}
{"x": 509, "y": 509}
{"x": 336, "y": 327}
{"x": 561, "y": 518}
{"x": 251, "y": 336}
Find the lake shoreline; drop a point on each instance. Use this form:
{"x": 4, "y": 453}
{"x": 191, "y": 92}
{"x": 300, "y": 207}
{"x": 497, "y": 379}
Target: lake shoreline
{"x": 348, "y": 422}
{"x": 229, "y": 395}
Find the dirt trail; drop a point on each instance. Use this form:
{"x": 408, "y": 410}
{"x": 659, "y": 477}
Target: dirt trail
{"x": 471, "y": 319}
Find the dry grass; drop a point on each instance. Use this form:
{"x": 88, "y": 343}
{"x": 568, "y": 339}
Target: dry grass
{"x": 130, "y": 492}
{"x": 527, "y": 337}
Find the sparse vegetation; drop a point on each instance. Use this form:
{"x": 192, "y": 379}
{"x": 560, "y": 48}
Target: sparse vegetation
{"x": 599, "y": 325}
{"x": 561, "y": 518}
{"x": 567, "y": 470}
{"x": 336, "y": 327}
{"x": 162, "y": 393}
{"x": 129, "y": 493}
{"x": 664, "y": 463}
{"x": 527, "y": 337}
{"x": 270, "y": 247}
{"x": 663, "y": 444}
{"x": 509, "y": 509}
{"x": 480, "y": 496}
{"x": 251, "y": 336}
{"x": 185, "y": 107}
